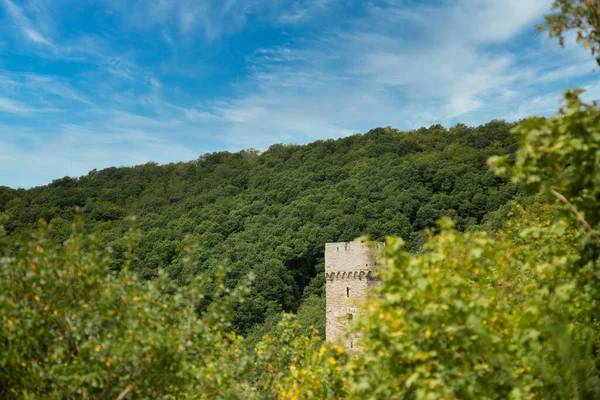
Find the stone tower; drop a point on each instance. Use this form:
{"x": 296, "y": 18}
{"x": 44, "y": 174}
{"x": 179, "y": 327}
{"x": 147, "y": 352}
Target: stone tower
{"x": 348, "y": 277}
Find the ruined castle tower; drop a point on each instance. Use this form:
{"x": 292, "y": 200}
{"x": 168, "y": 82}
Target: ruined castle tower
{"x": 348, "y": 276}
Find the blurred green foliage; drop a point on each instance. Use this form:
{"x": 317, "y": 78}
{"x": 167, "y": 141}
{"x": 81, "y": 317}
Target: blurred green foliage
{"x": 70, "y": 328}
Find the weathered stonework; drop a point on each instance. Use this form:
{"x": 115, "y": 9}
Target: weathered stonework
{"x": 349, "y": 268}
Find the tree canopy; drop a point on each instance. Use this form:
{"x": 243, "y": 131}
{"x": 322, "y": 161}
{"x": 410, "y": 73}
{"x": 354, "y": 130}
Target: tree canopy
{"x": 271, "y": 213}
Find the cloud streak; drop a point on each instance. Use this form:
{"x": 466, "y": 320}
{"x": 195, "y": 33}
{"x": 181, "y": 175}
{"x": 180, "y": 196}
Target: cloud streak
{"x": 449, "y": 69}
{"x": 73, "y": 149}
{"x": 28, "y": 30}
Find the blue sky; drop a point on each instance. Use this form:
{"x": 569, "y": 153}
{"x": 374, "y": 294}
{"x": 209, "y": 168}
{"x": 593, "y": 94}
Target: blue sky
{"x": 92, "y": 84}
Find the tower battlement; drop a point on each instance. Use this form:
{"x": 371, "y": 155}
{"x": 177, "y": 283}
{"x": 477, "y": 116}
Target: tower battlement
{"x": 350, "y": 256}
{"x": 349, "y": 267}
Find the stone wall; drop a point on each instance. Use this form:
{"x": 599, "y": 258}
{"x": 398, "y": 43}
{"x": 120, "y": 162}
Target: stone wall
{"x": 349, "y": 267}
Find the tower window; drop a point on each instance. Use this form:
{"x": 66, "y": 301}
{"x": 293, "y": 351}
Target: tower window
{"x": 347, "y": 292}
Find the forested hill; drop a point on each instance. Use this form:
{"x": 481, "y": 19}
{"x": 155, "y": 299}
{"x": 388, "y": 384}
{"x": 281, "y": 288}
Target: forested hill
{"x": 272, "y": 212}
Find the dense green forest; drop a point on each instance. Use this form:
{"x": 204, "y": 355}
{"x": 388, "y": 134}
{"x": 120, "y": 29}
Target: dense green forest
{"x": 271, "y": 213}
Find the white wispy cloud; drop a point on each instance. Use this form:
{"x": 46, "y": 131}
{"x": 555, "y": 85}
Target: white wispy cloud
{"x": 74, "y": 149}
{"x": 12, "y": 106}
{"x": 278, "y": 54}
{"x": 213, "y": 19}
{"x": 432, "y": 64}
{"x": 28, "y": 29}
{"x": 185, "y": 18}
{"x": 57, "y": 87}
{"x": 27, "y": 92}
{"x": 302, "y": 10}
